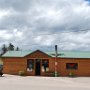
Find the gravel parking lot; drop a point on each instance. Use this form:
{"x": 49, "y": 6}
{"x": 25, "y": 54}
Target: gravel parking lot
{"x": 12, "y": 82}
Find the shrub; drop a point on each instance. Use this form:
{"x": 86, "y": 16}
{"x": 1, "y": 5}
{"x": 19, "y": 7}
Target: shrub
{"x": 57, "y": 74}
{"x": 71, "y": 74}
{"x": 21, "y": 73}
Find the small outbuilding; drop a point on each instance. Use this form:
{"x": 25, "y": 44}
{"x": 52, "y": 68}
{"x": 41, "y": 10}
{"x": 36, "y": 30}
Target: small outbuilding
{"x": 39, "y": 63}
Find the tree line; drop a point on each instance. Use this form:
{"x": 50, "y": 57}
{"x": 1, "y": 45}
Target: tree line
{"x": 9, "y": 47}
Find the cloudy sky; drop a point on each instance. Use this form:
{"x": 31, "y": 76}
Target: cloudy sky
{"x": 35, "y": 24}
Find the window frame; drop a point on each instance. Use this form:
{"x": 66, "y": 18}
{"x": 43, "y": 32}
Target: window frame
{"x": 28, "y": 62}
{"x": 75, "y": 67}
{"x": 42, "y": 65}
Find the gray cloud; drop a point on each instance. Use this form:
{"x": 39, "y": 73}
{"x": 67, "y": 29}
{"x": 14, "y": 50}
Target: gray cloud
{"x": 44, "y": 23}
{"x": 17, "y": 5}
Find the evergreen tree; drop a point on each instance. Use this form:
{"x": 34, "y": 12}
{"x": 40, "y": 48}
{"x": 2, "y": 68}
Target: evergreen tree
{"x": 11, "y": 47}
{"x": 17, "y": 49}
{"x": 4, "y": 49}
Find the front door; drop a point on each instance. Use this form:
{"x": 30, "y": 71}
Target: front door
{"x": 38, "y": 67}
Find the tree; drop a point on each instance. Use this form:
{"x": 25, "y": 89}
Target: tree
{"x": 11, "y": 47}
{"x": 17, "y": 48}
{"x": 4, "y": 49}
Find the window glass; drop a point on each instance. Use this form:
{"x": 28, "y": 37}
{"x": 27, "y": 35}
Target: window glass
{"x": 30, "y": 65}
{"x": 45, "y": 65}
{"x": 71, "y": 66}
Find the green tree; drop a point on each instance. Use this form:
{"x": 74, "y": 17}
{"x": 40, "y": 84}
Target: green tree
{"x": 11, "y": 47}
{"x": 4, "y": 49}
{"x": 17, "y": 48}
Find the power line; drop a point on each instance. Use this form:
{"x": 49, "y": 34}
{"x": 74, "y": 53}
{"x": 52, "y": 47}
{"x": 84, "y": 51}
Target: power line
{"x": 82, "y": 30}
{"x": 67, "y": 31}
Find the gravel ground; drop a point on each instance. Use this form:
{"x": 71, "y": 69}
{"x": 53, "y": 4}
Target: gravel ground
{"x": 12, "y": 82}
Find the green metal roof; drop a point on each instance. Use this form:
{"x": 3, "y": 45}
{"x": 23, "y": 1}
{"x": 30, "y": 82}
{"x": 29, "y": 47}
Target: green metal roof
{"x": 62, "y": 54}
{"x": 16, "y": 53}
{"x": 72, "y": 54}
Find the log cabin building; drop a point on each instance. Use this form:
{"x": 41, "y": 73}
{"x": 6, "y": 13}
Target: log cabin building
{"x": 39, "y": 63}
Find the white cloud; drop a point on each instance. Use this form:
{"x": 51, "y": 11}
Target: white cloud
{"x": 5, "y": 35}
{"x": 45, "y": 40}
{"x": 4, "y": 13}
{"x": 17, "y": 33}
{"x": 66, "y": 40}
{"x": 74, "y": 41}
{"x": 25, "y": 22}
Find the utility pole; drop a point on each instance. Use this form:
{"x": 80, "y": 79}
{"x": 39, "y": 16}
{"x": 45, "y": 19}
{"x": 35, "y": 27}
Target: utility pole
{"x": 56, "y": 55}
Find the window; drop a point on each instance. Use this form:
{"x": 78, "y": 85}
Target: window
{"x": 71, "y": 66}
{"x": 45, "y": 65}
{"x": 30, "y": 65}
